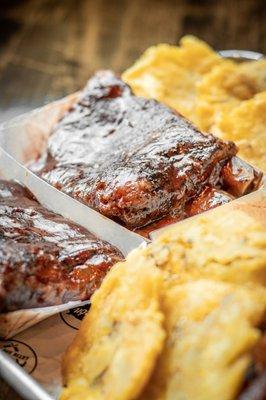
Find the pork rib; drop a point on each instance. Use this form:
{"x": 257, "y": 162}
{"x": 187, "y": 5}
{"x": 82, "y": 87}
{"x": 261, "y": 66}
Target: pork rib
{"x": 44, "y": 258}
{"x": 132, "y": 159}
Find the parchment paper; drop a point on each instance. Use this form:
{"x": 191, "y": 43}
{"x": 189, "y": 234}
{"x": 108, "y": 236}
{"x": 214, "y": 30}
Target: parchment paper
{"x": 38, "y": 350}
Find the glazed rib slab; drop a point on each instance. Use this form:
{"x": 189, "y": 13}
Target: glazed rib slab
{"x": 132, "y": 159}
{"x": 44, "y": 258}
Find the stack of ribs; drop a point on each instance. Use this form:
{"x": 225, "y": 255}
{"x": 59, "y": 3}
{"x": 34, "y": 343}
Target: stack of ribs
{"x": 137, "y": 161}
{"x": 45, "y": 259}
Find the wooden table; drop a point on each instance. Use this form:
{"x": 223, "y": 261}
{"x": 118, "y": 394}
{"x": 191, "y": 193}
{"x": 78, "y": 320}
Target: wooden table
{"x": 48, "y": 48}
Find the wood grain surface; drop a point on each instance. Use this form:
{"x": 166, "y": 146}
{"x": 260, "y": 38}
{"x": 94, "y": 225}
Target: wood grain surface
{"x": 48, "y": 48}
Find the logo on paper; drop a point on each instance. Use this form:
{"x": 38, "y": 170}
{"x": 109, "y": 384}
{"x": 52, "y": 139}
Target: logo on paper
{"x": 22, "y": 353}
{"x": 74, "y": 316}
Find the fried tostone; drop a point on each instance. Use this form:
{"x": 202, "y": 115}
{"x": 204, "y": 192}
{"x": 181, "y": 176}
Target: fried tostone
{"x": 246, "y": 126}
{"x": 210, "y": 332}
{"x": 170, "y": 73}
{"x": 116, "y": 348}
{"x": 226, "y": 87}
{"x": 224, "y": 245}
{"x": 213, "y": 301}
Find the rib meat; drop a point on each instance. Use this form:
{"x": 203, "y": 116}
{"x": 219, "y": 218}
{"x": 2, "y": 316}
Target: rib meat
{"x": 209, "y": 198}
{"x": 132, "y": 159}
{"x": 44, "y": 258}
{"x": 239, "y": 178}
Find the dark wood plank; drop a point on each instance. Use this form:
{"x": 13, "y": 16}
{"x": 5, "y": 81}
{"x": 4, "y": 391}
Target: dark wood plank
{"x": 48, "y": 48}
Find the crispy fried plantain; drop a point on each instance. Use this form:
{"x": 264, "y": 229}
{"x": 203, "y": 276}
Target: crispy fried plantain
{"x": 210, "y": 332}
{"x": 221, "y": 245}
{"x": 170, "y": 73}
{"x": 213, "y": 300}
{"x": 246, "y": 126}
{"x": 120, "y": 338}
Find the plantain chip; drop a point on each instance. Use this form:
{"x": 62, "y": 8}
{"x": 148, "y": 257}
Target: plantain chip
{"x": 170, "y": 74}
{"x": 246, "y": 126}
{"x": 116, "y": 348}
{"x": 256, "y": 72}
{"x": 213, "y": 300}
{"x": 199, "y": 248}
{"x": 225, "y": 88}
{"x": 210, "y": 333}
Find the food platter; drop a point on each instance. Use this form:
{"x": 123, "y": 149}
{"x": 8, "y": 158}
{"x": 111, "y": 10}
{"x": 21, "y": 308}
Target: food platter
{"x": 12, "y": 158}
